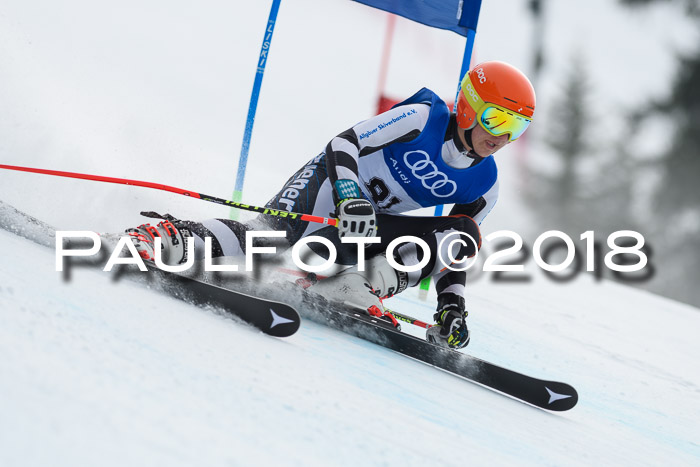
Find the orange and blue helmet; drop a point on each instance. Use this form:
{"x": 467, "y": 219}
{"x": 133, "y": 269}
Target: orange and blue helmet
{"x": 497, "y": 96}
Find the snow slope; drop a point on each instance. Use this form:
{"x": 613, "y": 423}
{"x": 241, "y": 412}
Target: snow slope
{"x": 97, "y": 371}
{"x": 93, "y": 372}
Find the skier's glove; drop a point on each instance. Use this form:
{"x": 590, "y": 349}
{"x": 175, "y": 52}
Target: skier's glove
{"x": 355, "y": 215}
{"x": 451, "y": 317}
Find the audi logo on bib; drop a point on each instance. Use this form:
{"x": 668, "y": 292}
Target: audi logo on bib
{"x": 427, "y": 172}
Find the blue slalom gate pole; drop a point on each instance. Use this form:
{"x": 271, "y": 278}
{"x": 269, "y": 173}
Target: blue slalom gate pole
{"x": 469, "y": 18}
{"x": 466, "y": 60}
{"x": 252, "y": 108}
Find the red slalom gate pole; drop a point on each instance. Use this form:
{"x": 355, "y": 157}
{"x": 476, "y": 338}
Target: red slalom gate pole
{"x": 179, "y": 191}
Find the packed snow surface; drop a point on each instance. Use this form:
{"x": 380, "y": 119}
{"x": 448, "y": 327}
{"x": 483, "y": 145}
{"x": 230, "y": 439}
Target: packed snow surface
{"x": 95, "y": 371}
{"x": 98, "y": 371}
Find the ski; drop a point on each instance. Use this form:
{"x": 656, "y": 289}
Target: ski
{"x": 271, "y": 317}
{"x": 548, "y": 395}
{"x": 279, "y": 319}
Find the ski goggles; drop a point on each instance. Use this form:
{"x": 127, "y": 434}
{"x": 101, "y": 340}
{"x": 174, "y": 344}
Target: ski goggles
{"x": 498, "y": 121}
{"x": 495, "y": 119}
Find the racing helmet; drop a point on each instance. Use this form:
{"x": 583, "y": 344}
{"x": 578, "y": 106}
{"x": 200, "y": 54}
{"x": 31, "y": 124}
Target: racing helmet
{"x": 497, "y": 96}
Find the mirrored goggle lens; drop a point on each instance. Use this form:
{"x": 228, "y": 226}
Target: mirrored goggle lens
{"x": 499, "y": 121}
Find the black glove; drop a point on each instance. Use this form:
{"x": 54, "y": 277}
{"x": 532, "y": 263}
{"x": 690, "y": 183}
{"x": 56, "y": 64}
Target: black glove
{"x": 451, "y": 317}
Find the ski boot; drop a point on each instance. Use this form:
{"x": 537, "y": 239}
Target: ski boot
{"x": 172, "y": 234}
{"x": 365, "y": 290}
{"x": 450, "y": 329}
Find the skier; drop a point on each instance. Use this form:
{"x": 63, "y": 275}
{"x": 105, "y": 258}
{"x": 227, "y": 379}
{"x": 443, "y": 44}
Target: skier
{"x": 417, "y": 154}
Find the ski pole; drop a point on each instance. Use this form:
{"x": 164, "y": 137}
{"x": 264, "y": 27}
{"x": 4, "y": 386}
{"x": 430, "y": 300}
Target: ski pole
{"x": 180, "y": 191}
{"x": 409, "y": 319}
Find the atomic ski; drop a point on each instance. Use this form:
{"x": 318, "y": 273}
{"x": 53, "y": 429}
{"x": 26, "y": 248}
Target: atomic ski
{"x": 549, "y": 395}
{"x": 273, "y": 318}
